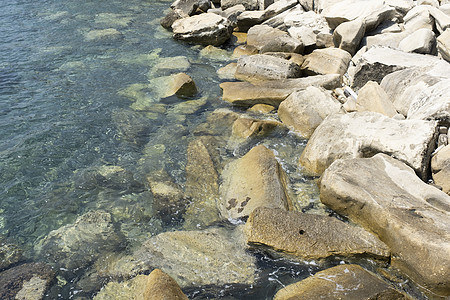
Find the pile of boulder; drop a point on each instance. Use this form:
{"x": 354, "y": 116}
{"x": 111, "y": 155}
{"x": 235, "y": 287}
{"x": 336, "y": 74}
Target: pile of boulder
{"x": 368, "y": 83}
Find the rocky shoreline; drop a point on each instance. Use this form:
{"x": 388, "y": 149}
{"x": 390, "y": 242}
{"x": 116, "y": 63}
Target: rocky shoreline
{"x": 366, "y": 82}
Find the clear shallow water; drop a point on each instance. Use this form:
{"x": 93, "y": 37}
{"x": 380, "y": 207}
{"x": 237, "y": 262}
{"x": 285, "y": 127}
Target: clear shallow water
{"x": 64, "y": 114}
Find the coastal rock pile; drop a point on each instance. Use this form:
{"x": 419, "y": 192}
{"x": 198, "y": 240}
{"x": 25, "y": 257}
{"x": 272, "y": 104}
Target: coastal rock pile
{"x": 366, "y": 81}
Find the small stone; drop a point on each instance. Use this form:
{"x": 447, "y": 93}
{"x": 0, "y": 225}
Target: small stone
{"x": 262, "y": 108}
{"x": 442, "y": 140}
{"x": 443, "y": 129}
{"x": 350, "y": 105}
{"x": 227, "y": 72}
{"x": 244, "y": 50}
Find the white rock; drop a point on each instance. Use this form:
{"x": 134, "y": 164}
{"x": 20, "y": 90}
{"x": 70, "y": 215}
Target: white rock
{"x": 420, "y": 41}
{"x": 443, "y": 45}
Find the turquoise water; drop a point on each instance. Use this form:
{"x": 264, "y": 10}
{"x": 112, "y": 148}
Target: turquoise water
{"x": 72, "y": 103}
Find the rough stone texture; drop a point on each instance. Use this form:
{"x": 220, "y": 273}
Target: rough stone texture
{"x": 293, "y": 57}
{"x": 443, "y": 45}
{"x": 188, "y": 7}
{"x": 363, "y": 134}
{"x": 441, "y": 19}
{"x": 78, "y": 244}
{"x": 27, "y": 281}
{"x": 340, "y": 282}
{"x": 9, "y": 254}
{"x": 202, "y": 182}
{"x": 372, "y": 97}
{"x": 347, "y": 36}
{"x": 311, "y": 237}
{"x": 261, "y": 108}
{"x": 401, "y": 6}
{"x": 179, "y": 84}
{"x": 205, "y": 29}
{"x": 266, "y": 67}
{"x": 156, "y": 286}
{"x": 227, "y": 72}
{"x": 192, "y": 258}
{"x": 440, "y": 166}
{"x": 420, "y": 41}
{"x": 232, "y": 13}
{"x": 377, "y": 17}
{"x": 305, "y": 26}
{"x": 304, "y": 110}
{"x": 386, "y": 197}
{"x": 244, "y": 50}
{"x": 245, "y": 127}
{"x": 260, "y": 35}
{"x": 377, "y": 62}
{"x": 273, "y": 92}
{"x": 283, "y": 44}
{"x": 248, "y": 4}
{"x": 417, "y": 18}
{"x": 421, "y": 93}
{"x": 217, "y": 123}
{"x": 389, "y": 39}
{"x": 247, "y": 94}
{"x": 326, "y": 61}
{"x": 256, "y": 179}
{"x": 348, "y": 10}
{"x": 249, "y": 19}
{"x": 171, "y": 16}
{"x": 169, "y": 201}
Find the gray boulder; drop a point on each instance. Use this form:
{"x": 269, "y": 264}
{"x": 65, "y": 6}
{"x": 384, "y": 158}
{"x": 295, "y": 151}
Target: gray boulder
{"x": 348, "y": 10}
{"x": 417, "y": 18}
{"x": 377, "y": 62}
{"x": 363, "y": 134}
{"x": 266, "y": 187}
{"x": 259, "y": 35}
{"x": 326, "y": 61}
{"x": 347, "y": 36}
{"x": 443, "y": 45}
{"x": 304, "y": 110}
{"x": 311, "y": 237}
{"x": 248, "y": 4}
{"x": 386, "y": 197}
{"x": 285, "y": 44}
{"x": 266, "y": 67}
{"x": 341, "y": 282}
{"x": 420, "y": 41}
{"x": 205, "y": 29}
{"x": 421, "y": 93}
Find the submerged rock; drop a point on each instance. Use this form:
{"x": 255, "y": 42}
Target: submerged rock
{"x": 169, "y": 201}
{"x": 311, "y": 237}
{"x": 10, "y": 254}
{"x": 78, "y": 244}
{"x": 180, "y": 84}
{"x": 386, "y": 197}
{"x": 205, "y": 29}
{"x": 256, "y": 179}
{"x": 109, "y": 34}
{"x": 156, "y": 286}
{"x": 192, "y": 258}
{"x": 202, "y": 182}
{"x": 363, "y": 134}
{"x": 27, "y": 281}
{"x": 340, "y": 282}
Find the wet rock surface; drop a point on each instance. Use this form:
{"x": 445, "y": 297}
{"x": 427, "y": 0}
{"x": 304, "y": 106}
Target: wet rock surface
{"x": 156, "y": 286}
{"x": 405, "y": 213}
{"x": 267, "y": 187}
{"x": 192, "y": 258}
{"x": 340, "y": 282}
{"x": 309, "y": 236}
{"x": 27, "y": 281}
{"x": 78, "y": 244}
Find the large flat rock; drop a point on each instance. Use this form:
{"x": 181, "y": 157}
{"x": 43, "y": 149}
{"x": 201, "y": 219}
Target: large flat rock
{"x": 386, "y": 197}
{"x": 364, "y": 134}
{"x": 340, "y": 282}
{"x": 309, "y": 236}
{"x": 273, "y": 92}
{"x": 266, "y": 67}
